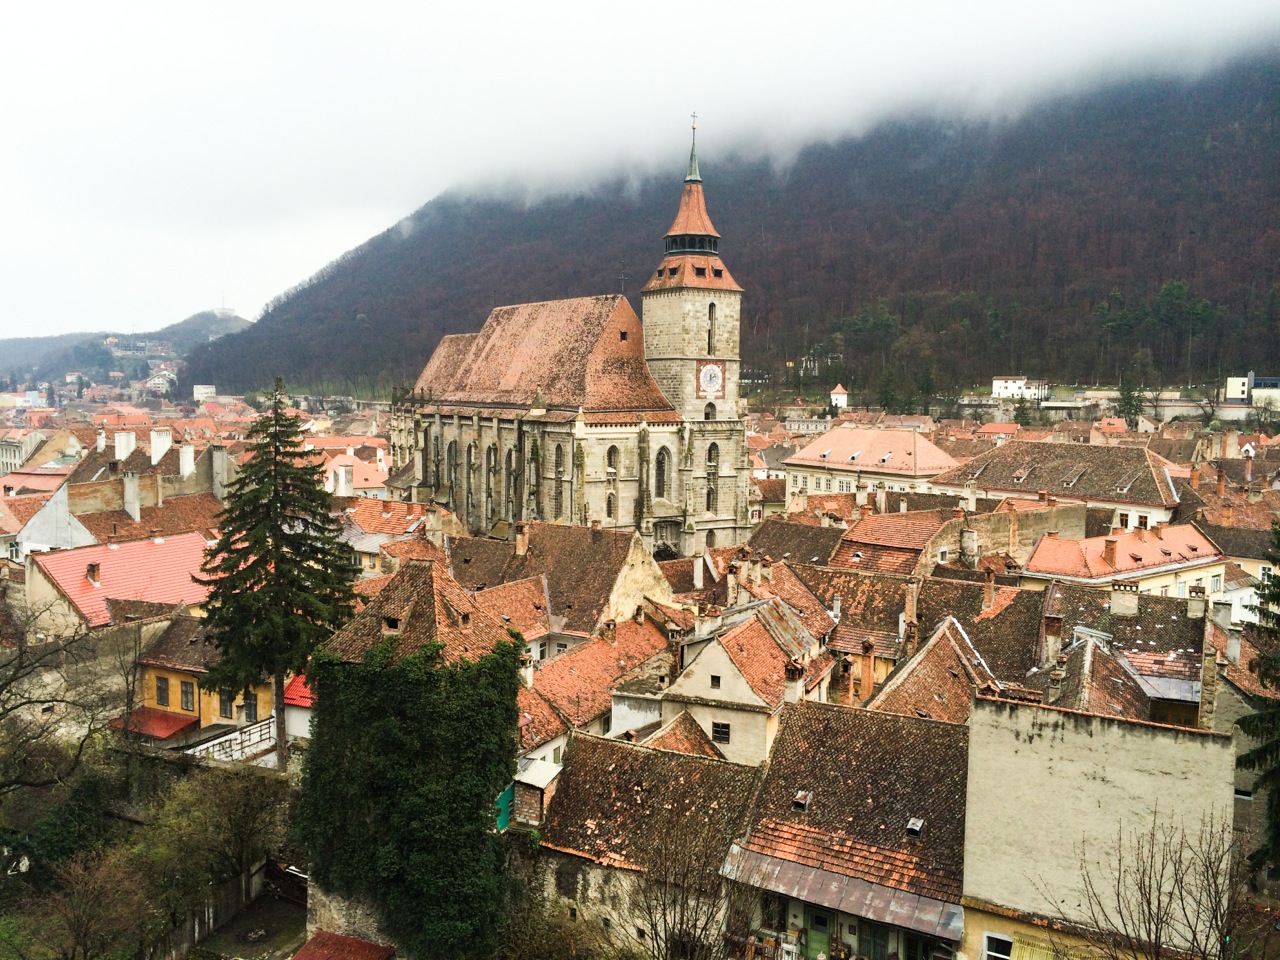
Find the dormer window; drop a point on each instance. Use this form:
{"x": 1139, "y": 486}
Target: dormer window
{"x": 801, "y": 802}
{"x": 391, "y": 624}
{"x": 700, "y": 271}
{"x": 915, "y": 828}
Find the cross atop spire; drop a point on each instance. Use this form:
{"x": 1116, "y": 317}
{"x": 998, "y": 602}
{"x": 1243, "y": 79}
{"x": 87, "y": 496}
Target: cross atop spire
{"x": 693, "y": 176}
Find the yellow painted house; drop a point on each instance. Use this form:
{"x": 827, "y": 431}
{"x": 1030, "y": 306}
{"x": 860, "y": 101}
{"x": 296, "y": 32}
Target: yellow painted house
{"x": 171, "y": 702}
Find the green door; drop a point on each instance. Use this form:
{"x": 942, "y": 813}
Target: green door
{"x": 819, "y": 936}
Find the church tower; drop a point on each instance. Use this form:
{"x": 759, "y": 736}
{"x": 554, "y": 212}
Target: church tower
{"x": 691, "y": 313}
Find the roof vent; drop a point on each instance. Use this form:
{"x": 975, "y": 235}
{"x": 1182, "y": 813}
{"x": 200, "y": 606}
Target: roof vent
{"x": 800, "y": 803}
{"x": 855, "y": 455}
{"x": 915, "y": 828}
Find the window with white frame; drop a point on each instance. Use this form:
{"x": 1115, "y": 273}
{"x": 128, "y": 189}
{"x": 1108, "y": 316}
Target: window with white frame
{"x": 995, "y": 947}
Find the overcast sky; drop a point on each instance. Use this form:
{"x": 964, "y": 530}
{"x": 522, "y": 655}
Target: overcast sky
{"x": 160, "y": 159}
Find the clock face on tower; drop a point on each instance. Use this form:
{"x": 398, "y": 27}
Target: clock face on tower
{"x": 710, "y": 379}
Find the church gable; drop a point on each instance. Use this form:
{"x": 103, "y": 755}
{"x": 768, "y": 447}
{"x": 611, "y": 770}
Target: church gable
{"x": 586, "y": 352}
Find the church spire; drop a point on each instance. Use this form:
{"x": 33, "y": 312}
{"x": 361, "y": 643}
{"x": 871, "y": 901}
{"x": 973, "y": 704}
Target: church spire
{"x": 693, "y": 176}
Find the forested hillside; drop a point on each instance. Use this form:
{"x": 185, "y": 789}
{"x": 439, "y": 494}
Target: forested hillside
{"x": 1135, "y": 227}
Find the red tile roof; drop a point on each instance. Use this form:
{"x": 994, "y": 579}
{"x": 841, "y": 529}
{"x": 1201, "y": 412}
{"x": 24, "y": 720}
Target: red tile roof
{"x": 196, "y": 513}
{"x": 421, "y": 606}
{"x": 298, "y": 694}
{"x": 16, "y": 512}
{"x": 683, "y": 735}
{"x": 938, "y": 682}
{"x": 538, "y": 723}
{"x": 849, "y": 448}
{"x": 521, "y": 605}
{"x": 570, "y": 351}
{"x": 579, "y": 684}
{"x": 330, "y": 946}
{"x": 692, "y": 217}
{"x": 156, "y": 723}
{"x": 1134, "y": 551}
{"x": 386, "y": 516}
{"x": 159, "y": 572}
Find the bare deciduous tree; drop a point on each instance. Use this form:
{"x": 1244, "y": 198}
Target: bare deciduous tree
{"x": 1161, "y": 891}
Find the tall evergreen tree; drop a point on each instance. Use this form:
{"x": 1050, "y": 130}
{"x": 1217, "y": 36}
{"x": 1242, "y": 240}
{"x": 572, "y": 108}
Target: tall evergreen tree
{"x": 278, "y": 576}
{"x": 1264, "y": 725}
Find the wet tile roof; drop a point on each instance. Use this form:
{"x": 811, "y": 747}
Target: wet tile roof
{"x": 791, "y": 590}
{"x": 15, "y": 512}
{"x": 298, "y": 694}
{"x": 620, "y": 804}
{"x": 159, "y": 572}
{"x": 867, "y": 774}
{"x": 1160, "y": 625}
{"x": 421, "y": 606}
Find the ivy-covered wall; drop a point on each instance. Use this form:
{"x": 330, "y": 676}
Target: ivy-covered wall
{"x": 397, "y": 810}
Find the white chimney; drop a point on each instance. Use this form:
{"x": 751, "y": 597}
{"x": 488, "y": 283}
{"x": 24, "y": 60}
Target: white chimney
{"x": 344, "y": 478}
{"x": 186, "y": 460}
{"x": 132, "y": 503}
{"x": 101, "y": 443}
{"x": 161, "y": 441}
{"x": 125, "y": 442}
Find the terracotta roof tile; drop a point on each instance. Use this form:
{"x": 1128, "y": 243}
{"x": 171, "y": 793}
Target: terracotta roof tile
{"x": 683, "y": 735}
{"x": 195, "y": 513}
{"x": 579, "y": 683}
{"x": 421, "y": 606}
{"x": 141, "y": 570}
{"x": 521, "y": 605}
{"x": 538, "y": 723}
{"x": 1134, "y": 551}
{"x": 298, "y": 694}
{"x": 571, "y": 351}
{"x": 386, "y": 516}
{"x": 184, "y": 645}
{"x": 849, "y": 448}
{"x": 790, "y": 589}
{"x": 939, "y": 681}
{"x": 780, "y": 538}
{"x": 16, "y": 512}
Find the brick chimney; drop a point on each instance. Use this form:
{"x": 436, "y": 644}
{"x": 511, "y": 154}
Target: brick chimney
{"x": 1109, "y": 550}
{"x": 1208, "y": 687}
{"x": 867, "y": 671}
{"x": 989, "y": 590}
{"x": 1248, "y": 469}
{"x": 1053, "y": 692}
{"x": 1194, "y": 479}
{"x": 910, "y": 599}
{"x": 522, "y": 538}
{"x": 1050, "y": 638}
{"x": 957, "y": 512}
{"x": 1228, "y": 513}
{"x": 910, "y": 640}
{"x": 1222, "y": 482}
{"x": 92, "y": 573}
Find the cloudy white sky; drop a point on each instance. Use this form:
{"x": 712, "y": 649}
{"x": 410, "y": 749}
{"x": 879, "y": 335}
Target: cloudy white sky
{"x": 160, "y": 159}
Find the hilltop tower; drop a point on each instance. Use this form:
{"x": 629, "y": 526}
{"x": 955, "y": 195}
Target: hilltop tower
{"x": 691, "y": 309}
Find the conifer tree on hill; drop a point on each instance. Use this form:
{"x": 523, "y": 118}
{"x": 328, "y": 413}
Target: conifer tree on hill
{"x": 279, "y": 578}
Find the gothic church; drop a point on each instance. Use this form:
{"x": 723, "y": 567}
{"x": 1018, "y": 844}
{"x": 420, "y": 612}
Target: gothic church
{"x": 575, "y": 411}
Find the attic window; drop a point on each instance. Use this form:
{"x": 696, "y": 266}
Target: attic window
{"x": 915, "y": 828}
{"x": 391, "y": 623}
{"x": 855, "y": 455}
{"x": 466, "y": 619}
{"x": 825, "y": 454}
{"x": 622, "y": 335}
{"x": 717, "y": 272}
{"x": 1022, "y": 474}
{"x": 801, "y": 801}
{"x": 700, "y": 271}
{"x": 671, "y": 271}
{"x": 715, "y": 681}
{"x": 1070, "y": 479}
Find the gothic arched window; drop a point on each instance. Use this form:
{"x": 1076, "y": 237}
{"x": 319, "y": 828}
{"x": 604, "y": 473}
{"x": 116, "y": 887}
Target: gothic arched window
{"x": 713, "y": 460}
{"x": 611, "y": 458}
{"x": 660, "y": 473}
{"x": 712, "y": 498}
{"x": 559, "y": 494}
{"x": 711, "y": 329}
{"x": 709, "y": 412}
{"x": 610, "y": 506}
